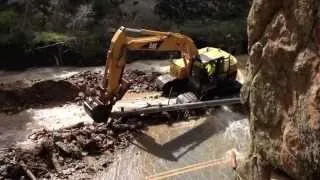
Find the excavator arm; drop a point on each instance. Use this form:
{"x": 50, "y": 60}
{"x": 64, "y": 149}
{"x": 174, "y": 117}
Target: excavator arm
{"x": 127, "y": 39}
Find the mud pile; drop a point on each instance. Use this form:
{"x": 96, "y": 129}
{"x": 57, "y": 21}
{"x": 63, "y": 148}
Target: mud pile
{"x": 73, "y": 89}
{"x": 141, "y": 81}
{"x": 41, "y": 93}
{"x": 61, "y": 153}
{"x": 90, "y": 84}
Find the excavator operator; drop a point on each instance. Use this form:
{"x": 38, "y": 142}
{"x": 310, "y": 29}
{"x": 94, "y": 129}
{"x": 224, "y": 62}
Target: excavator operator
{"x": 210, "y": 67}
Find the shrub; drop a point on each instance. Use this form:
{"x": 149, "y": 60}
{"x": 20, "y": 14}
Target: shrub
{"x": 8, "y": 21}
{"x": 50, "y": 37}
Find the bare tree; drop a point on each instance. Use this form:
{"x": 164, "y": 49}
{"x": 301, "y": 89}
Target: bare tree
{"x": 82, "y": 18}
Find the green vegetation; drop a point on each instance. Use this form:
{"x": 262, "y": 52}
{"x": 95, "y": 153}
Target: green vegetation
{"x": 215, "y": 27}
{"x": 8, "y": 27}
{"x": 8, "y": 21}
{"x": 91, "y": 46}
{"x": 183, "y": 10}
{"x": 84, "y": 26}
{"x": 50, "y": 37}
{"x": 228, "y": 34}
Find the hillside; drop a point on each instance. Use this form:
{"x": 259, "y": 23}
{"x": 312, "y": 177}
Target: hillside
{"x": 70, "y": 32}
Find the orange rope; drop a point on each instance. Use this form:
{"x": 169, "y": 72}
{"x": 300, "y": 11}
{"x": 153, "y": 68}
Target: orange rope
{"x": 190, "y": 168}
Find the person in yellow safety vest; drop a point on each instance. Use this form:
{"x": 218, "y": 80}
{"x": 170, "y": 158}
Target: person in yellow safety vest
{"x": 210, "y": 67}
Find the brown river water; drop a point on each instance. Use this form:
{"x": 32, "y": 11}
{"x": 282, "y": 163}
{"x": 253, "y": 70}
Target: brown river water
{"x": 195, "y": 149}
{"x": 192, "y": 149}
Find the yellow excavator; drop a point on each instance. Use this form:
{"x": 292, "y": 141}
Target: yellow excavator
{"x": 198, "y": 76}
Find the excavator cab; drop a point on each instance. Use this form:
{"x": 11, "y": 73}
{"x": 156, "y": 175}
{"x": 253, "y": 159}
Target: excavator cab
{"x": 212, "y": 76}
{"x": 206, "y": 72}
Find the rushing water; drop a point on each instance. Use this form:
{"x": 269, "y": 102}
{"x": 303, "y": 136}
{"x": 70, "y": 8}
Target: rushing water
{"x": 195, "y": 149}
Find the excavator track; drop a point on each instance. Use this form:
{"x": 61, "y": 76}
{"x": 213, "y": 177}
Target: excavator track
{"x": 170, "y": 86}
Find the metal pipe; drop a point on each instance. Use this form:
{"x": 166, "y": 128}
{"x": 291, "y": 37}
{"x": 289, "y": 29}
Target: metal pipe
{"x": 176, "y": 107}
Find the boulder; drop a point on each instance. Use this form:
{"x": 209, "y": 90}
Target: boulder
{"x": 282, "y": 89}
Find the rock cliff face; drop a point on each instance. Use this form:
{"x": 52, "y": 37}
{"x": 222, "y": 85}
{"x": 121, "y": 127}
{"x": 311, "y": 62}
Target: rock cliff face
{"x": 283, "y": 88}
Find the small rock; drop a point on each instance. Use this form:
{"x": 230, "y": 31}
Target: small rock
{"x": 144, "y": 86}
{"x": 84, "y": 153}
{"x": 98, "y": 138}
{"x": 91, "y": 127}
{"x": 63, "y": 147}
{"x": 66, "y": 135}
{"x": 81, "y": 140}
{"x": 33, "y": 136}
{"x": 110, "y": 143}
{"x": 91, "y": 170}
{"x": 79, "y": 166}
{"x": 69, "y": 149}
{"x": 68, "y": 171}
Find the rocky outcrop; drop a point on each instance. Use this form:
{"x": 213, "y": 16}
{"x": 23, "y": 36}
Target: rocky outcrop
{"x": 283, "y": 88}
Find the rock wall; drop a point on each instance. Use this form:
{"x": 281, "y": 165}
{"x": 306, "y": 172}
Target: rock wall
{"x": 283, "y": 89}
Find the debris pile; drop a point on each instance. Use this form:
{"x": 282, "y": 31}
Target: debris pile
{"x": 141, "y": 81}
{"x": 61, "y": 153}
{"x": 90, "y": 84}
{"x": 73, "y": 89}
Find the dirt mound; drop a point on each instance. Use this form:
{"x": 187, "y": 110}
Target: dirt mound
{"x": 90, "y": 83}
{"x": 61, "y": 153}
{"x": 73, "y": 89}
{"x": 41, "y": 93}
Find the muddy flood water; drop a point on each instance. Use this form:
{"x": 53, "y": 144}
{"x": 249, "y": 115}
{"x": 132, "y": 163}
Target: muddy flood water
{"x": 196, "y": 149}
{"x": 193, "y": 149}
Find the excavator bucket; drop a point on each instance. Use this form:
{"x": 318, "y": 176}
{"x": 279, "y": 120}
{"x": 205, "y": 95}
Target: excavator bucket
{"x": 100, "y": 111}
{"x": 97, "y": 110}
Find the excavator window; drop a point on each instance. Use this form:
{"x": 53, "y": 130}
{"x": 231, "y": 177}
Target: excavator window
{"x": 214, "y": 67}
{"x": 199, "y": 72}
{"x": 219, "y": 66}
